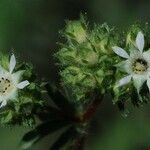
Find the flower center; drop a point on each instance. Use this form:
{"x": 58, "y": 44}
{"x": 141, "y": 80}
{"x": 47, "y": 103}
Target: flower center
{"x": 6, "y": 86}
{"x": 140, "y": 66}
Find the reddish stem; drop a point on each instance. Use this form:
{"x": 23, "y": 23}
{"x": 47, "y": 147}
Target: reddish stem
{"x": 87, "y": 116}
{"x": 80, "y": 143}
{"x": 91, "y": 110}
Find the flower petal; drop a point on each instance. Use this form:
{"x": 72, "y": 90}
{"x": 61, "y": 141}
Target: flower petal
{"x": 125, "y": 66}
{"x": 138, "y": 81}
{"x": 12, "y": 63}
{"x": 16, "y": 76}
{"x": 4, "y": 102}
{"x": 135, "y": 54}
{"x": 140, "y": 41}
{"x": 148, "y": 83}
{"x": 146, "y": 55}
{"x": 121, "y": 52}
{"x": 23, "y": 84}
{"x": 124, "y": 81}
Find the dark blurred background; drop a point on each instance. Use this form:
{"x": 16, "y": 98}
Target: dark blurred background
{"x": 30, "y": 27}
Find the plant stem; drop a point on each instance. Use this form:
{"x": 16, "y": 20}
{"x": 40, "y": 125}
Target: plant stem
{"x": 80, "y": 143}
{"x": 87, "y": 116}
{"x": 91, "y": 110}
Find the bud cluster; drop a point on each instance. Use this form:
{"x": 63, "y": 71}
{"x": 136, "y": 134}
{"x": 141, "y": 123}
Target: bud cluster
{"x": 85, "y": 58}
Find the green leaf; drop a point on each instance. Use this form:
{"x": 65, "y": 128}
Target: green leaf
{"x": 41, "y": 131}
{"x": 64, "y": 138}
{"x": 49, "y": 113}
{"x": 59, "y": 99}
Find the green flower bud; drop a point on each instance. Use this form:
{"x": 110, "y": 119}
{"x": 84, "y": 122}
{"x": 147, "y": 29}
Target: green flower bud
{"x": 99, "y": 76}
{"x": 103, "y": 38}
{"x": 131, "y": 35}
{"x": 85, "y": 61}
{"x": 76, "y": 30}
{"x": 66, "y": 56}
{"x": 88, "y": 56}
{"x": 80, "y": 81}
{"x": 72, "y": 75}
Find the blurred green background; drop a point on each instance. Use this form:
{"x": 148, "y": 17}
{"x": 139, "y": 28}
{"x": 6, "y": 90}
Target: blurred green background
{"x": 30, "y": 27}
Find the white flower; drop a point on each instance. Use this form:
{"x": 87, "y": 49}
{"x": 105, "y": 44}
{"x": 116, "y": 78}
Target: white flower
{"x": 9, "y": 82}
{"x": 137, "y": 64}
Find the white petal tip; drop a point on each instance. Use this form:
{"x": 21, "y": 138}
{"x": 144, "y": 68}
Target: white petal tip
{"x": 4, "y": 103}
{"x": 148, "y": 83}
{"x": 124, "y": 81}
{"x": 12, "y": 63}
{"x": 140, "y": 41}
{"x": 121, "y": 52}
{"x": 23, "y": 84}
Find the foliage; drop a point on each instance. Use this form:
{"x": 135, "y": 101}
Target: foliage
{"x": 94, "y": 61}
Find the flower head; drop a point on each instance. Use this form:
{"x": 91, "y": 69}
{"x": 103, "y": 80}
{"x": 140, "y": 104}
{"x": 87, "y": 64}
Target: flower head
{"x": 137, "y": 64}
{"x": 9, "y": 82}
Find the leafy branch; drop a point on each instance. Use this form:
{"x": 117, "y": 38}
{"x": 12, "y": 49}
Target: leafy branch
{"x": 93, "y": 61}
